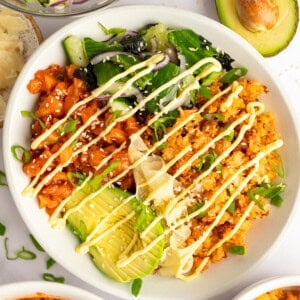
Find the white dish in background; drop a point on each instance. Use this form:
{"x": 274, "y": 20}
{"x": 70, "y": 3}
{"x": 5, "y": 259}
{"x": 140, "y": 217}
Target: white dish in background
{"x": 267, "y": 285}
{"x": 14, "y": 291}
{"x": 60, "y": 244}
{"x": 34, "y": 7}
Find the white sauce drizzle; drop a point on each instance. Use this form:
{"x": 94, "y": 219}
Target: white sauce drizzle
{"x": 97, "y": 92}
{"x": 101, "y": 230}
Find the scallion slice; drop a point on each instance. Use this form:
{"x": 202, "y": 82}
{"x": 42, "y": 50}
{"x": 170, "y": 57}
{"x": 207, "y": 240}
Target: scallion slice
{"x": 136, "y": 286}
{"x": 20, "y": 153}
{"x": 206, "y": 160}
{"x": 30, "y": 114}
{"x": 2, "y": 179}
{"x": 207, "y": 81}
{"x": 2, "y": 229}
{"x": 49, "y": 263}
{"x": 69, "y": 127}
{"x": 231, "y": 208}
{"x": 36, "y": 244}
{"x": 205, "y": 92}
{"x": 234, "y": 74}
{"x": 269, "y": 191}
{"x": 21, "y": 254}
{"x": 277, "y": 164}
{"x": 53, "y": 278}
{"x": 214, "y": 117}
{"x": 197, "y": 207}
{"x": 76, "y": 178}
{"x": 236, "y": 249}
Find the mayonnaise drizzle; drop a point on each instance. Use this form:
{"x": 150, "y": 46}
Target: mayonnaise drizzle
{"x": 97, "y": 92}
{"x": 30, "y": 190}
{"x": 57, "y": 222}
{"x": 101, "y": 230}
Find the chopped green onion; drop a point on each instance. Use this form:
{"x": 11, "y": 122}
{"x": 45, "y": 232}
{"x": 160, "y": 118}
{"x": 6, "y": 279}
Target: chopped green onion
{"x": 49, "y": 263}
{"x": 69, "y": 127}
{"x": 277, "y": 166}
{"x": 95, "y": 183}
{"x": 2, "y": 179}
{"x": 144, "y": 214}
{"x": 114, "y": 30}
{"x": 277, "y": 200}
{"x": 205, "y": 92}
{"x": 136, "y": 286}
{"x": 52, "y": 278}
{"x": 267, "y": 190}
{"x": 26, "y": 254}
{"x": 76, "y": 178}
{"x": 30, "y": 114}
{"x": 36, "y": 244}
{"x": 234, "y": 74}
{"x": 230, "y": 136}
{"x": 2, "y": 229}
{"x": 198, "y": 206}
{"x": 214, "y": 117}
{"x": 206, "y": 160}
{"x": 252, "y": 194}
{"x": 21, "y": 254}
{"x": 115, "y": 114}
{"x": 210, "y": 78}
{"x": 231, "y": 208}
{"x": 20, "y": 153}
{"x": 235, "y": 249}
{"x": 7, "y": 251}
{"x": 160, "y": 126}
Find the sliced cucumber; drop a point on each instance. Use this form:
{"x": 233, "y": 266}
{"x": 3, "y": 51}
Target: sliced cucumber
{"x": 120, "y": 104}
{"x": 74, "y": 49}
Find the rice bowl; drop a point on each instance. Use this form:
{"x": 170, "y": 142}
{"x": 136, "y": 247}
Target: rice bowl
{"x": 229, "y": 270}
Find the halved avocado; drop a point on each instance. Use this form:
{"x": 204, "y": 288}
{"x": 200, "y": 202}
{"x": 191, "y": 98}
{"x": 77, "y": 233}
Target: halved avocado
{"x": 268, "y": 42}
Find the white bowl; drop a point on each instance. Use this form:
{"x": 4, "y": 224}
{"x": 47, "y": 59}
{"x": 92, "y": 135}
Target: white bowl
{"x": 14, "y": 291}
{"x": 268, "y": 285}
{"x": 61, "y": 244}
{"x": 35, "y": 8}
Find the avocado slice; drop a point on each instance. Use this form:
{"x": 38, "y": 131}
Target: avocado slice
{"x": 125, "y": 238}
{"x": 268, "y": 42}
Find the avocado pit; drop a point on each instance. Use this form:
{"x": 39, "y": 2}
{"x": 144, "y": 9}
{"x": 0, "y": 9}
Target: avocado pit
{"x": 257, "y": 15}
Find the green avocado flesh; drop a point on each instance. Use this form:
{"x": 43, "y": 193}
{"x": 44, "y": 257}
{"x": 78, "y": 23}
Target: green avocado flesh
{"x": 268, "y": 42}
{"x": 107, "y": 251}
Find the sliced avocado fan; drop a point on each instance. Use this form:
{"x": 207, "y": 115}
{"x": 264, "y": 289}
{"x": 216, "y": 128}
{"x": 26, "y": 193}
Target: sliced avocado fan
{"x": 121, "y": 218}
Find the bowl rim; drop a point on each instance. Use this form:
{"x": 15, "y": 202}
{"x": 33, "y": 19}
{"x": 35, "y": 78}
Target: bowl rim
{"x": 234, "y": 36}
{"x": 266, "y": 285}
{"x": 44, "y": 13}
{"x": 21, "y": 288}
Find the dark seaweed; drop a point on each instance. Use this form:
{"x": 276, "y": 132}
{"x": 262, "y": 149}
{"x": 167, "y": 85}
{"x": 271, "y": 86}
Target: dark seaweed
{"x": 133, "y": 43}
{"x": 87, "y": 75}
{"x": 225, "y": 60}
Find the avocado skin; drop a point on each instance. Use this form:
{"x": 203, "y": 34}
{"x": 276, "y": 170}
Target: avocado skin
{"x": 106, "y": 252}
{"x": 269, "y": 42}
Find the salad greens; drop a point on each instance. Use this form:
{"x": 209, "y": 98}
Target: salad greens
{"x": 123, "y": 48}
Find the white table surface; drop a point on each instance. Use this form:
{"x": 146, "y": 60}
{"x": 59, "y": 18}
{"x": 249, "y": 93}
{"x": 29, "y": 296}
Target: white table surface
{"x": 284, "y": 259}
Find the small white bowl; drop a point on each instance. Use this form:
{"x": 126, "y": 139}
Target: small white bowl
{"x": 13, "y": 291}
{"x": 267, "y": 285}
